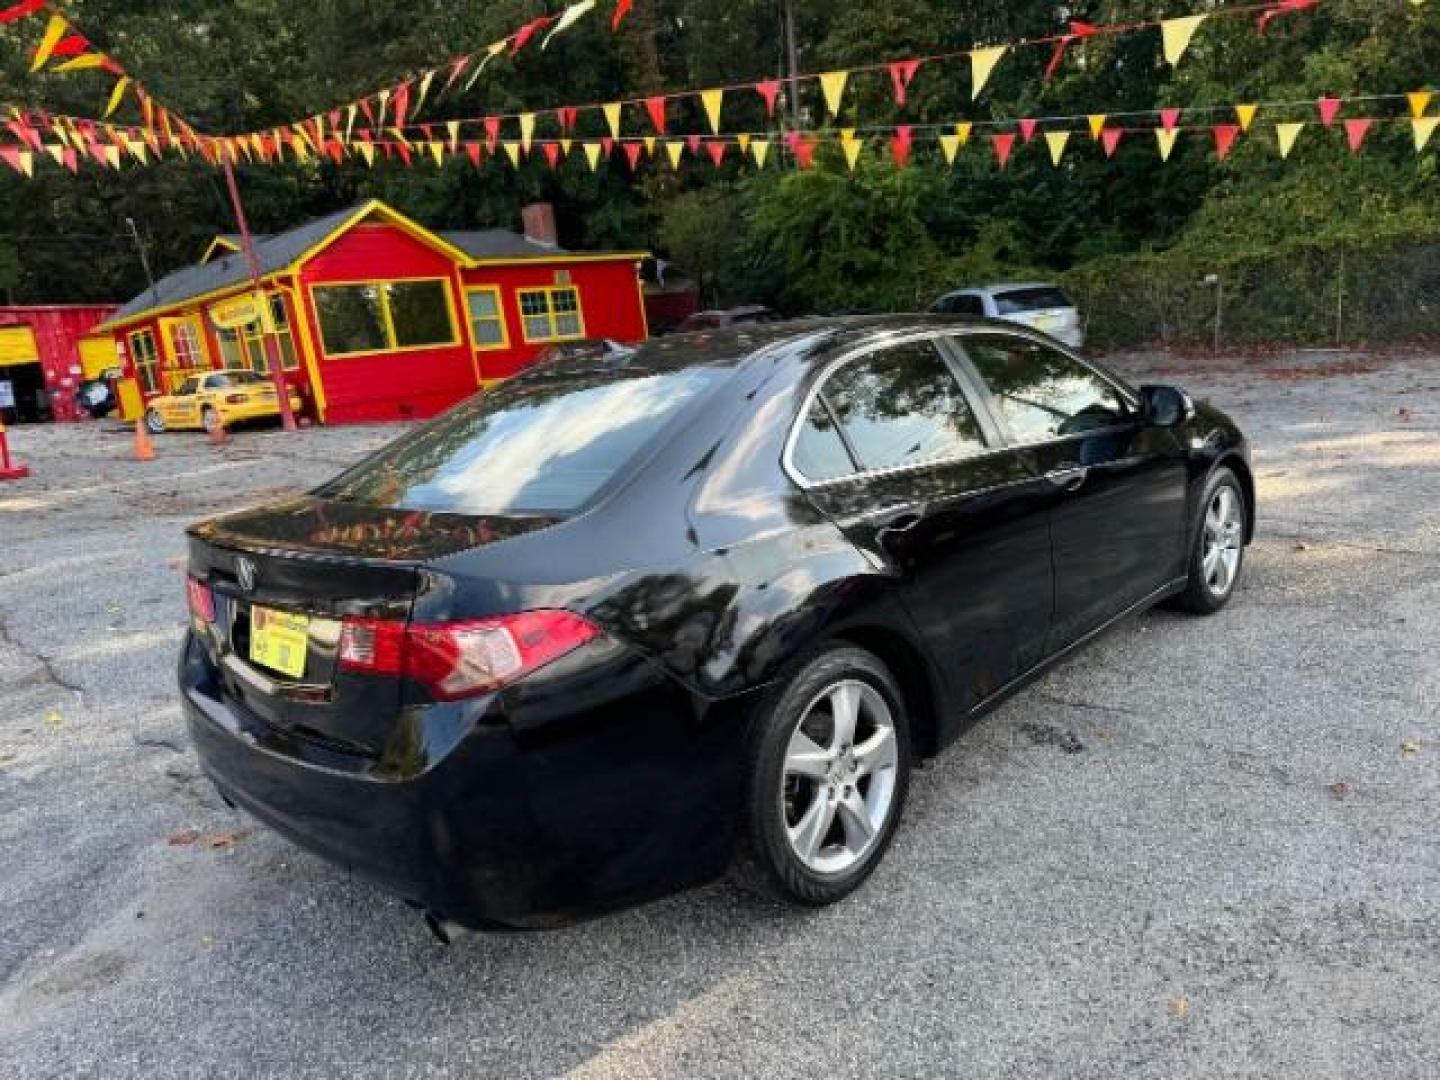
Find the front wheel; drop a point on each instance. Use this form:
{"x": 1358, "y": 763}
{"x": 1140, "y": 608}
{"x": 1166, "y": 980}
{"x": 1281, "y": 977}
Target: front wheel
{"x": 829, "y": 769}
{"x": 210, "y": 419}
{"x": 1218, "y": 552}
{"x": 154, "y": 422}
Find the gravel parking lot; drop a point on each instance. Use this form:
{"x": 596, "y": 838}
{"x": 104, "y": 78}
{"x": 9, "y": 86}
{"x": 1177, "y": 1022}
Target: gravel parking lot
{"x": 1206, "y": 847}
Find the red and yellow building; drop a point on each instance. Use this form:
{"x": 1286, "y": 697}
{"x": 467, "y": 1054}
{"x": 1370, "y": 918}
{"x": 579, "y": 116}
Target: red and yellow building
{"x": 377, "y": 317}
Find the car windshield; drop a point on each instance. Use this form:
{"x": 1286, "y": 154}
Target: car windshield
{"x": 189, "y": 386}
{"x": 543, "y": 444}
{"x": 1035, "y": 298}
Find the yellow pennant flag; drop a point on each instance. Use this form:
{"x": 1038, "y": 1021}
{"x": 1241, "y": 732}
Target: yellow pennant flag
{"x": 1175, "y": 35}
{"x": 949, "y": 146}
{"x": 832, "y": 85}
{"x": 367, "y": 151}
{"x": 674, "y": 148}
{"x": 527, "y": 129}
{"x": 27, "y": 162}
{"x": 54, "y": 30}
{"x": 1166, "y": 137}
{"x": 400, "y": 137}
{"x": 424, "y": 92}
{"x": 437, "y": 151}
{"x": 712, "y": 100}
{"x": 962, "y": 131}
{"x": 612, "y": 117}
{"x": 592, "y": 155}
{"x": 982, "y": 63}
{"x": 1422, "y": 127}
{"x": 571, "y": 15}
{"x": 760, "y": 151}
{"x": 1097, "y": 124}
{"x": 1056, "y": 140}
{"x": 257, "y": 146}
{"x": 350, "y": 111}
{"x": 137, "y": 149}
{"x": 565, "y": 144}
{"x": 650, "y": 145}
{"x": 452, "y": 127}
{"x": 742, "y": 140}
{"x": 57, "y": 152}
{"x": 851, "y": 146}
{"x": 83, "y": 62}
{"x": 1419, "y": 101}
{"x": 512, "y": 151}
{"x": 112, "y": 156}
{"x": 1285, "y": 136}
{"x": 1245, "y": 114}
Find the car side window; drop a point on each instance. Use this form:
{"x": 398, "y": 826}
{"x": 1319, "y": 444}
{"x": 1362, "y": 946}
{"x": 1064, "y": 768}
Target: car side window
{"x": 820, "y": 453}
{"x": 899, "y": 406}
{"x": 968, "y": 304}
{"x": 1042, "y": 393}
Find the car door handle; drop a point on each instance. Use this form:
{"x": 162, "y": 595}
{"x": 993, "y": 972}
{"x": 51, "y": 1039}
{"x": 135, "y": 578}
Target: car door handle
{"x": 900, "y": 519}
{"x": 1068, "y": 477}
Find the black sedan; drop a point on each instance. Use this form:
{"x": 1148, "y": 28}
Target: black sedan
{"x": 621, "y": 626}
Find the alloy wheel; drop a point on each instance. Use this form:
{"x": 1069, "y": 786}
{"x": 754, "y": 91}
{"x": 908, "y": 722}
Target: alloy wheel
{"x": 837, "y": 790}
{"x": 1223, "y": 540}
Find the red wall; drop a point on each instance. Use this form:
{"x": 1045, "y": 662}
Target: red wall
{"x": 58, "y": 331}
{"x": 610, "y": 305}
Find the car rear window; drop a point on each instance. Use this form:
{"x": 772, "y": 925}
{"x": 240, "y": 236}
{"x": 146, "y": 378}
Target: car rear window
{"x": 538, "y": 445}
{"x": 1013, "y": 301}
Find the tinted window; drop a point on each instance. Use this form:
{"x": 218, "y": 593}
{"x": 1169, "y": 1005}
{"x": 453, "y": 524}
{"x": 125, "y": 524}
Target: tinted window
{"x": 1039, "y": 298}
{"x": 820, "y": 453}
{"x": 900, "y": 406}
{"x": 1043, "y": 394}
{"x": 961, "y": 305}
{"x": 189, "y": 386}
{"x": 540, "y": 444}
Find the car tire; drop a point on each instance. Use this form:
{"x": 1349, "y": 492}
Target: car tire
{"x": 1217, "y": 551}
{"x": 154, "y": 422}
{"x": 819, "y": 814}
{"x": 209, "y": 419}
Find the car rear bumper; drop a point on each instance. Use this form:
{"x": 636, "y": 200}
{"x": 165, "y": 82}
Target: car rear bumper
{"x": 531, "y": 816}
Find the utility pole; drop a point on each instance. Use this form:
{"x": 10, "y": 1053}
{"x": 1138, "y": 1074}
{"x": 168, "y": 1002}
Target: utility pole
{"x": 144, "y": 260}
{"x": 267, "y": 335}
{"x": 792, "y": 60}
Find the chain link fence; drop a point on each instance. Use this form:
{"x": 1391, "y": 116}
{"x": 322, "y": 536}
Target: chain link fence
{"x": 1332, "y": 298}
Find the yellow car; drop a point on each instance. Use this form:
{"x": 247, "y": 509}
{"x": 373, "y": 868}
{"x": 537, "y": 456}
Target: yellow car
{"x": 220, "y": 397}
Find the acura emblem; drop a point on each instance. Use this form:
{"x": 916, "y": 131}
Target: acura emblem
{"x": 245, "y": 573}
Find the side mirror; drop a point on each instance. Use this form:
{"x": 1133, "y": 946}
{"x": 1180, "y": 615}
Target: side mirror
{"x": 1165, "y": 406}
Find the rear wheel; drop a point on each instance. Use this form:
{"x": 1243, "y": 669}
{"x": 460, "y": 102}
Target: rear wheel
{"x": 1218, "y": 552}
{"x": 154, "y": 422}
{"x": 829, "y": 770}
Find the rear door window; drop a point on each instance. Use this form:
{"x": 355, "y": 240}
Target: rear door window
{"x": 1037, "y": 298}
{"x": 542, "y": 444}
{"x": 1041, "y": 393}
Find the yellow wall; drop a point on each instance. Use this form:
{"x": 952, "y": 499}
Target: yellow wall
{"x": 17, "y": 346}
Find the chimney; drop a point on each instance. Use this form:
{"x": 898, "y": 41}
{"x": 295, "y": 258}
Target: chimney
{"x": 539, "y": 223}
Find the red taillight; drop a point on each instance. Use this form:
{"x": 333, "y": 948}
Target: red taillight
{"x": 235, "y": 399}
{"x": 202, "y": 600}
{"x": 461, "y": 659}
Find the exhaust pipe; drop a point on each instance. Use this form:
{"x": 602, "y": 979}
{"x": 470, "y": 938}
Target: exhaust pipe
{"x": 446, "y": 931}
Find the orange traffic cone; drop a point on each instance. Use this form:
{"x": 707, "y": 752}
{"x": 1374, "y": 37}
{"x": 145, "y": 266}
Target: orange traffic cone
{"x": 218, "y": 435}
{"x": 144, "y": 449}
{"x": 9, "y": 469}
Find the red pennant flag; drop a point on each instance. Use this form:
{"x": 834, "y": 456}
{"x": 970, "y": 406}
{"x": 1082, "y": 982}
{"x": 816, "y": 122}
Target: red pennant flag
{"x": 1224, "y": 138}
{"x": 607, "y": 145}
{"x": 492, "y": 131}
{"x": 716, "y": 149}
{"x": 1355, "y": 131}
{"x": 1027, "y": 129}
{"x": 472, "y": 151}
{"x": 1169, "y": 118}
{"x": 633, "y": 151}
{"x": 693, "y": 143}
{"x": 900, "y": 145}
{"x": 655, "y": 106}
{"x": 1078, "y": 30}
{"x": 1328, "y": 107}
{"x": 1110, "y": 139}
{"x": 769, "y": 90}
{"x": 901, "y": 72}
{"x": 566, "y": 115}
{"x": 804, "y": 153}
{"x": 529, "y": 30}
{"x": 336, "y": 149}
{"x": 400, "y": 102}
{"x": 403, "y": 151}
{"x": 551, "y": 151}
{"x": 11, "y": 156}
{"x": 1003, "y": 142}
{"x": 456, "y": 70}
{"x": 71, "y": 159}
{"x": 19, "y": 11}
{"x": 334, "y": 118}
{"x": 1284, "y": 7}
{"x": 622, "y": 8}
{"x": 427, "y": 132}
{"x": 368, "y": 111}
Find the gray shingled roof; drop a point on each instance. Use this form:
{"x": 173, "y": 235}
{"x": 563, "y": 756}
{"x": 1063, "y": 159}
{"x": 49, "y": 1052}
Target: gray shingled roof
{"x": 499, "y": 244}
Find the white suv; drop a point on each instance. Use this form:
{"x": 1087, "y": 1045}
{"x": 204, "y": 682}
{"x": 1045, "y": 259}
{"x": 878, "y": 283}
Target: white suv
{"x": 1035, "y": 304}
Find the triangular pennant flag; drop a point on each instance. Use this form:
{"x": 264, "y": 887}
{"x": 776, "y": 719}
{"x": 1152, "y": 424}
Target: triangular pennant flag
{"x": 612, "y": 117}
{"x": 494, "y": 49}
{"x": 716, "y": 149}
{"x": 832, "y": 85}
{"x": 1097, "y": 124}
{"x": 568, "y": 18}
{"x": 116, "y": 96}
{"x": 607, "y": 145}
{"x": 1285, "y": 136}
{"x": 1224, "y": 135}
{"x": 521, "y": 37}
{"x": 851, "y": 147}
{"x": 949, "y": 147}
{"x": 492, "y": 131}
{"x": 112, "y": 156}
{"x": 527, "y": 130}
{"x": 982, "y": 63}
{"x": 760, "y": 150}
{"x": 655, "y": 106}
{"x": 742, "y": 140}
{"x": 1355, "y": 131}
{"x": 54, "y": 30}
{"x": 1419, "y": 101}
{"x": 1421, "y": 128}
{"x": 349, "y": 121}
{"x": 1175, "y": 35}
{"x": 384, "y": 99}
{"x": 456, "y": 70}
{"x": 622, "y": 8}
{"x": 769, "y": 89}
{"x": 424, "y": 91}
{"x": 650, "y": 145}
{"x": 1027, "y": 129}
{"x": 1328, "y": 107}
{"x": 1002, "y": 142}
{"x": 565, "y": 142}
{"x": 1056, "y": 140}
{"x": 567, "y": 114}
{"x": 1245, "y": 114}
{"x": 472, "y": 151}
{"x": 452, "y": 128}
{"x": 692, "y": 143}
{"x": 512, "y": 151}
{"x": 674, "y": 148}
{"x": 900, "y": 145}
{"x": 962, "y": 131}
{"x": 401, "y": 104}
{"x": 84, "y": 62}
{"x": 1165, "y": 140}
{"x": 632, "y": 154}
{"x": 901, "y": 74}
{"x": 11, "y": 156}
{"x": 711, "y": 100}
{"x": 592, "y": 154}
{"x": 56, "y": 151}
{"x": 551, "y": 151}
{"x": 437, "y": 151}
{"x": 24, "y": 9}
{"x": 1169, "y": 118}
{"x": 367, "y": 151}
{"x": 804, "y": 151}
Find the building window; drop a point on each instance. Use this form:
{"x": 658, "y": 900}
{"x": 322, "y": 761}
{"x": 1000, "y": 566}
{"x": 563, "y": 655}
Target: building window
{"x": 280, "y": 316}
{"x": 384, "y": 316}
{"x": 245, "y": 347}
{"x": 186, "y": 352}
{"x": 487, "y": 321}
{"x": 551, "y": 314}
{"x": 146, "y": 359}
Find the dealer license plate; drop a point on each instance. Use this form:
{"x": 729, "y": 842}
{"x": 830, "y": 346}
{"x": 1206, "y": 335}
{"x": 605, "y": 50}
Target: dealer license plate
{"x": 278, "y": 640}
